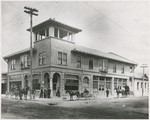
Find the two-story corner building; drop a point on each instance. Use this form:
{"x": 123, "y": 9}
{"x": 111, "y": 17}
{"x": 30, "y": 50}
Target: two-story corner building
{"x": 59, "y": 63}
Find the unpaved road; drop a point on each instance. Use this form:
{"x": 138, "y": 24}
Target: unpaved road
{"x": 122, "y": 108}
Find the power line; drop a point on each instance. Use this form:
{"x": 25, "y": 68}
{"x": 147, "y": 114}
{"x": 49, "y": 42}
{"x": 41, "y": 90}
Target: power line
{"x": 106, "y": 17}
{"x": 14, "y": 23}
{"x": 17, "y": 14}
{"x": 108, "y": 14}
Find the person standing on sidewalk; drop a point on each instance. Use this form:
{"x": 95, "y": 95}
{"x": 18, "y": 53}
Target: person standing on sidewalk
{"x": 107, "y": 92}
{"x": 33, "y": 92}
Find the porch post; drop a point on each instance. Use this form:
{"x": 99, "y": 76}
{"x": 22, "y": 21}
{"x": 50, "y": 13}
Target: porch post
{"x": 112, "y": 86}
{"x": 62, "y": 84}
{"x": 51, "y": 83}
{"x": 105, "y": 86}
{"x": 8, "y": 83}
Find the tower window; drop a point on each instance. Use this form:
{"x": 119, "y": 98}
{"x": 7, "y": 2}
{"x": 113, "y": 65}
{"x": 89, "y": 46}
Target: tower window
{"x": 56, "y": 32}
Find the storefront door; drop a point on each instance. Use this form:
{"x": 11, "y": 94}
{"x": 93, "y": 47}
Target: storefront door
{"x": 101, "y": 86}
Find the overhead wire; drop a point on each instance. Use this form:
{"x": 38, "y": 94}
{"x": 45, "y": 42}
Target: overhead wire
{"x": 105, "y": 16}
{"x": 16, "y": 22}
{"x": 17, "y": 13}
{"x": 108, "y": 14}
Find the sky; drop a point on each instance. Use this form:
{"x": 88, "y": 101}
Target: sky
{"x": 114, "y": 26}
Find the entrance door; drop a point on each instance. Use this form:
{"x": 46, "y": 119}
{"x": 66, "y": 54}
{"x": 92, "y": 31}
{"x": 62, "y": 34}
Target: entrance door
{"x": 26, "y": 81}
{"x": 56, "y": 83}
{"x": 46, "y": 86}
{"x": 102, "y": 86}
{"x": 108, "y": 84}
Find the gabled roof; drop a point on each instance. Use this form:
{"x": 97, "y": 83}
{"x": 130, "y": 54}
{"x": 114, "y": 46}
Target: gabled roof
{"x": 140, "y": 76}
{"x": 27, "y": 50}
{"x": 54, "y": 23}
{"x": 95, "y": 52}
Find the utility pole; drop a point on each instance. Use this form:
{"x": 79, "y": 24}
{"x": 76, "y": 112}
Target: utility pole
{"x": 31, "y": 11}
{"x": 143, "y": 66}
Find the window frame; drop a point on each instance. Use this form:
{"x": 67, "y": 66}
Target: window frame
{"x": 104, "y": 65}
{"x": 78, "y": 61}
{"x": 138, "y": 85}
{"x": 42, "y": 58}
{"x": 114, "y": 68}
{"x": 123, "y": 69}
{"x": 13, "y": 62}
{"x": 91, "y": 65}
{"x": 62, "y": 58}
{"x": 131, "y": 69}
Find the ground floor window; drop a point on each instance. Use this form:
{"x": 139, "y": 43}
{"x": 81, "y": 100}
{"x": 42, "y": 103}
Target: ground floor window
{"x": 4, "y": 88}
{"x": 101, "y": 83}
{"x": 36, "y": 84}
{"x": 119, "y": 83}
{"x": 72, "y": 82}
{"x": 15, "y": 84}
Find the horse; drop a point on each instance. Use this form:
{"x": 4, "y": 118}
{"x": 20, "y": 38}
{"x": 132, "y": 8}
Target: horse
{"x": 120, "y": 91}
{"x": 23, "y": 91}
{"x": 72, "y": 93}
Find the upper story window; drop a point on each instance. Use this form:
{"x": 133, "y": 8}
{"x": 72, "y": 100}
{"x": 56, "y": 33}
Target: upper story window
{"x": 63, "y": 34}
{"x": 90, "y": 64}
{"x": 122, "y": 70}
{"x": 114, "y": 68}
{"x": 137, "y": 85}
{"x": 104, "y": 66}
{"x": 62, "y": 58}
{"x": 42, "y": 58}
{"x": 131, "y": 69}
{"x": 78, "y": 61}
{"x": 25, "y": 61}
{"x": 13, "y": 62}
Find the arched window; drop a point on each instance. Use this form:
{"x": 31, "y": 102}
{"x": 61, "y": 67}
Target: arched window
{"x": 86, "y": 81}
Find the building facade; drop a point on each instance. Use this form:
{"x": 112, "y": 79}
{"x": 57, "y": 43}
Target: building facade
{"x": 59, "y": 63}
{"x": 140, "y": 82}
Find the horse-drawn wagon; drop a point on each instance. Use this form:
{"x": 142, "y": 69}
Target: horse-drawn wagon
{"x": 80, "y": 96}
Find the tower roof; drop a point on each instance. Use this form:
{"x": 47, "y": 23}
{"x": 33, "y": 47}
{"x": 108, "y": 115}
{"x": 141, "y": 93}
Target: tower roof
{"x": 53, "y": 22}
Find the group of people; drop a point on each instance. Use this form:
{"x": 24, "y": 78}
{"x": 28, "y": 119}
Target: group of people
{"x": 46, "y": 92}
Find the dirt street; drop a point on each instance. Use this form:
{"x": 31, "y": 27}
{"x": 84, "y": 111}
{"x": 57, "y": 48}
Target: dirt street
{"x": 104, "y": 108}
